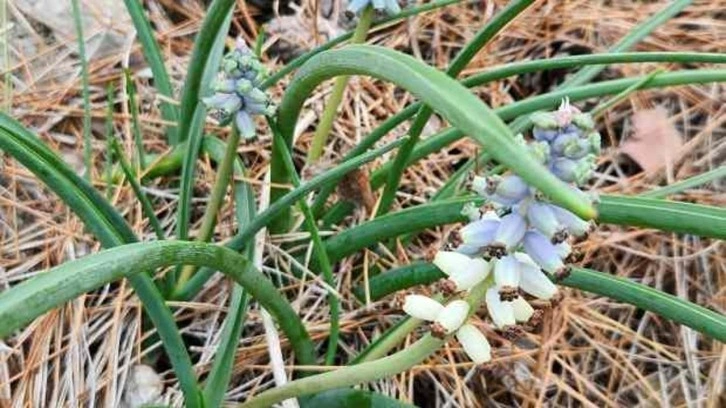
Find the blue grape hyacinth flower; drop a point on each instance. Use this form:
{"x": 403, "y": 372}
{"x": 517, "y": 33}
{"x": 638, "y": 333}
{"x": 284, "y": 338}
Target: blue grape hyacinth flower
{"x": 237, "y": 96}
{"x": 389, "y": 6}
{"x": 519, "y": 239}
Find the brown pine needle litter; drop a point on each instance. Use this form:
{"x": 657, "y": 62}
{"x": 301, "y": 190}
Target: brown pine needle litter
{"x": 590, "y": 351}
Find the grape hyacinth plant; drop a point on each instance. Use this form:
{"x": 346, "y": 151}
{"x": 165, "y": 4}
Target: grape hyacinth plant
{"x": 520, "y": 240}
{"x": 287, "y": 246}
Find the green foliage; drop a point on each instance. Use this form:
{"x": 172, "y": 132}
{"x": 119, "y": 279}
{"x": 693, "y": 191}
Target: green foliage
{"x": 438, "y": 93}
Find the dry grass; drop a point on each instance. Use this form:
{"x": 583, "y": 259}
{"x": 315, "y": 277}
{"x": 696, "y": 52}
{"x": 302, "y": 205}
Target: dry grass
{"x": 589, "y": 352}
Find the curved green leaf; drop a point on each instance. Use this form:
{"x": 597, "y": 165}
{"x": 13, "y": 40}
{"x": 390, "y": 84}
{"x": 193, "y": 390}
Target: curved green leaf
{"x": 109, "y": 227}
{"x": 462, "y": 59}
{"x": 152, "y": 53}
{"x": 671, "y": 307}
{"x": 665, "y": 215}
{"x": 442, "y": 93}
{"x": 31, "y": 298}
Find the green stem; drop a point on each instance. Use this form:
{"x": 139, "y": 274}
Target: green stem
{"x": 603, "y": 107}
{"x": 216, "y": 199}
{"x": 135, "y": 122}
{"x": 351, "y": 375}
{"x": 32, "y": 297}
{"x": 130, "y": 174}
{"x": 422, "y": 117}
{"x": 695, "y": 181}
{"x": 87, "y": 148}
{"x": 318, "y": 247}
{"x": 336, "y": 96}
{"x": 365, "y": 372}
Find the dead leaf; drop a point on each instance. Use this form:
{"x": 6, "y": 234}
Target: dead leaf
{"x": 356, "y": 187}
{"x": 655, "y": 141}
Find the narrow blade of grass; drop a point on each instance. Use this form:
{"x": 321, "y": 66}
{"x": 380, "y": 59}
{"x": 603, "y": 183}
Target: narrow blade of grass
{"x": 152, "y": 53}
{"x": 87, "y": 147}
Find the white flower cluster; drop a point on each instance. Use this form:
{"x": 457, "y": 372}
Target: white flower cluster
{"x": 518, "y": 242}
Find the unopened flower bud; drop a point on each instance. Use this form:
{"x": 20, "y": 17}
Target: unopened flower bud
{"x": 584, "y": 121}
{"x": 595, "y": 141}
{"x": 465, "y": 272}
{"x": 479, "y": 233}
{"x": 543, "y": 219}
{"x": 574, "y": 224}
{"x": 534, "y": 282}
{"x": 544, "y": 120}
{"x": 506, "y": 273}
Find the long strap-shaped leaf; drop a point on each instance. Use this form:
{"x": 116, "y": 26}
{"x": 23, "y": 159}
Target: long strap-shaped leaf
{"x": 624, "y": 290}
{"x": 619, "y": 210}
{"x": 30, "y": 299}
{"x": 110, "y": 228}
{"x": 208, "y": 50}
{"x": 153, "y": 56}
{"x": 440, "y": 92}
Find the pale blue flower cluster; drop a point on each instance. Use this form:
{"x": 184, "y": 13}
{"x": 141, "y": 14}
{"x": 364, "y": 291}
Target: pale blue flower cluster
{"x": 237, "y": 94}
{"x": 520, "y": 238}
{"x": 566, "y": 142}
{"x": 389, "y": 6}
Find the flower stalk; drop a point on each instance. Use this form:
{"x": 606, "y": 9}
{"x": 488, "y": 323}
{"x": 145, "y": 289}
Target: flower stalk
{"x": 336, "y": 96}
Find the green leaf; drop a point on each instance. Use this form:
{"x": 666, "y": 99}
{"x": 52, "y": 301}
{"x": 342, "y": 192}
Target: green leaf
{"x": 284, "y": 203}
{"x": 462, "y": 59}
{"x": 665, "y": 215}
{"x": 109, "y": 227}
{"x": 671, "y": 307}
{"x": 244, "y": 196}
{"x": 346, "y": 397}
{"x": 686, "y": 218}
{"x": 442, "y": 93}
{"x": 691, "y": 182}
{"x": 153, "y": 56}
{"x": 31, "y": 298}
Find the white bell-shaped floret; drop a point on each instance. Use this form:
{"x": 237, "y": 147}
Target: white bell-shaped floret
{"x": 506, "y": 272}
{"x": 453, "y": 315}
{"x": 422, "y": 307}
{"x": 465, "y": 272}
{"x": 501, "y": 312}
{"x": 474, "y": 343}
{"x": 535, "y": 282}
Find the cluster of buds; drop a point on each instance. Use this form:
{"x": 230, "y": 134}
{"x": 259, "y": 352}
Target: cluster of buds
{"x": 389, "y": 6}
{"x": 518, "y": 241}
{"x": 237, "y": 96}
{"x": 571, "y": 141}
